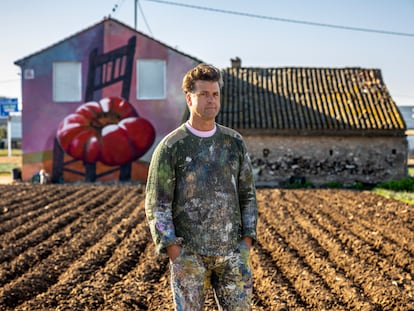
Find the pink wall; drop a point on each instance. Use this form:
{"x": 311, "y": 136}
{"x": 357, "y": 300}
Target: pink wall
{"x": 41, "y": 116}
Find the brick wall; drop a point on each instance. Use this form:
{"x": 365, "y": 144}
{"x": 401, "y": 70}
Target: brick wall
{"x": 279, "y": 160}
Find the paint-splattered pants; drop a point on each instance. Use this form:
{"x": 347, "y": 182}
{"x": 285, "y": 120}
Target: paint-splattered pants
{"x": 230, "y": 277}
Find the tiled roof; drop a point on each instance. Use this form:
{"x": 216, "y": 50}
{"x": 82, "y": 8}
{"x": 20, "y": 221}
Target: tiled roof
{"x": 309, "y": 101}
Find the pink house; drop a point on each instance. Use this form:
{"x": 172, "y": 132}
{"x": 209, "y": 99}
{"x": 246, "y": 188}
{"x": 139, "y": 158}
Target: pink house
{"x": 66, "y": 137}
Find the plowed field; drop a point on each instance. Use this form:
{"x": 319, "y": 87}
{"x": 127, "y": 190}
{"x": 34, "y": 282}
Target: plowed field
{"x": 88, "y": 247}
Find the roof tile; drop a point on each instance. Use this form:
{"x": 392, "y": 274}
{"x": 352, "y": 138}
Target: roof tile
{"x": 308, "y": 100}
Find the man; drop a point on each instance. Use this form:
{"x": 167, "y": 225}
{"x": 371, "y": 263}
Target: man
{"x": 201, "y": 202}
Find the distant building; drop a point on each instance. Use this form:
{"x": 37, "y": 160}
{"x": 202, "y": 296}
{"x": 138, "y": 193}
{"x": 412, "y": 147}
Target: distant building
{"x": 11, "y": 119}
{"x": 408, "y": 115}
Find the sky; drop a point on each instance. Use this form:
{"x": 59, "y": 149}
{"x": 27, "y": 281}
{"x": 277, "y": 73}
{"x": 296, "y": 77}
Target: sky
{"x": 263, "y": 33}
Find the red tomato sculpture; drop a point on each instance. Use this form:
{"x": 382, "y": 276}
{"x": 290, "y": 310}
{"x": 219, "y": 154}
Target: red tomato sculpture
{"x": 109, "y": 131}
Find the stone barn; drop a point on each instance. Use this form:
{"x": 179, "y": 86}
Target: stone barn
{"x": 319, "y": 125}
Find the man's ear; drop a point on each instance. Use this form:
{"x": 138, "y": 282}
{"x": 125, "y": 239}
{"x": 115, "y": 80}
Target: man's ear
{"x": 188, "y": 99}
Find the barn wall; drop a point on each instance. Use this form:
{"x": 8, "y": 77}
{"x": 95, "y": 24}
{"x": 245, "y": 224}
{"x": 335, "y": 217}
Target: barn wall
{"x": 282, "y": 159}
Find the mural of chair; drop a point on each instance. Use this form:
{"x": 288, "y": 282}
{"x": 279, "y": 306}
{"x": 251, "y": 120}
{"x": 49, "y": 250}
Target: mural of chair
{"x": 104, "y": 70}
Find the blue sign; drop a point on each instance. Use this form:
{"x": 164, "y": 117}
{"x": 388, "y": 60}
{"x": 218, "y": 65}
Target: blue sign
{"x": 8, "y": 105}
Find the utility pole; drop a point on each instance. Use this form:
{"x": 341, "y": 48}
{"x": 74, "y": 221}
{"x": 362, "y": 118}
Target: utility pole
{"x": 136, "y": 14}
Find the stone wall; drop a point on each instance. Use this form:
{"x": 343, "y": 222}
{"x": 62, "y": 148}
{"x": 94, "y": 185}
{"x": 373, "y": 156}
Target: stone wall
{"x": 280, "y": 160}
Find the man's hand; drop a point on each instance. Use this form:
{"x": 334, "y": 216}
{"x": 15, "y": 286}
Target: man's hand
{"x": 173, "y": 251}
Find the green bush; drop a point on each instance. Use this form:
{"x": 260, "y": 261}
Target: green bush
{"x": 299, "y": 185}
{"x": 357, "y": 186}
{"x": 404, "y": 184}
{"x": 334, "y": 185}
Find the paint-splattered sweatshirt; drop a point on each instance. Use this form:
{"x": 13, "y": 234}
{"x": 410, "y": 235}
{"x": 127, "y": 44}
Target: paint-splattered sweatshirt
{"x": 200, "y": 192}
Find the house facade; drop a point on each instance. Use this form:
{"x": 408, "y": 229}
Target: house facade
{"x": 319, "y": 125}
{"x": 106, "y": 60}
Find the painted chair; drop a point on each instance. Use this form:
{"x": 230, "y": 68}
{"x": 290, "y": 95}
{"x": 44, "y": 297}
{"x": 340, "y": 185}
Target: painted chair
{"x": 104, "y": 70}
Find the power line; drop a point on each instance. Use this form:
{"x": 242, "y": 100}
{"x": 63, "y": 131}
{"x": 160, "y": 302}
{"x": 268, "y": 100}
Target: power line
{"x": 287, "y": 20}
{"x": 118, "y": 5}
{"x": 143, "y": 16}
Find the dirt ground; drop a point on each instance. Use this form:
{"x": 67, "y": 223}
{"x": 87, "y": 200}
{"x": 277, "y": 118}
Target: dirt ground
{"x": 88, "y": 247}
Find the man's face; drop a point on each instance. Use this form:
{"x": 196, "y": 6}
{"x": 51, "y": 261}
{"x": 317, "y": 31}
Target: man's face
{"x": 204, "y": 101}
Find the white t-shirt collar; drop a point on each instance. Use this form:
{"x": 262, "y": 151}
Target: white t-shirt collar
{"x": 203, "y": 134}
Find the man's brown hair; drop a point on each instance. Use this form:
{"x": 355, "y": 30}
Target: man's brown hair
{"x": 203, "y": 72}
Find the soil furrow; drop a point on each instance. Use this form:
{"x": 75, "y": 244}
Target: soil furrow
{"x": 21, "y": 217}
{"x": 120, "y": 261}
{"x": 94, "y": 258}
{"x": 301, "y": 234}
{"x": 381, "y": 219}
{"x": 26, "y": 223}
{"x": 19, "y": 200}
{"x": 365, "y": 237}
{"x": 30, "y": 257}
{"x": 16, "y": 242}
{"x": 48, "y": 271}
{"x": 272, "y": 289}
{"x": 90, "y": 249}
{"x": 143, "y": 287}
{"x": 307, "y": 284}
{"x": 367, "y": 264}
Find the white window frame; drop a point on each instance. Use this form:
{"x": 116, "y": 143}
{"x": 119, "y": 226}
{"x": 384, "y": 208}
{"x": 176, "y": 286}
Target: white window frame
{"x": 67, "y": 81}
{"x": 151, "y": 79}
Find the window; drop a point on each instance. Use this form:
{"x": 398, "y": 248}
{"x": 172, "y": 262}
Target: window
{"x": 151, "y": 79}
{"x": 67, "y": 85}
